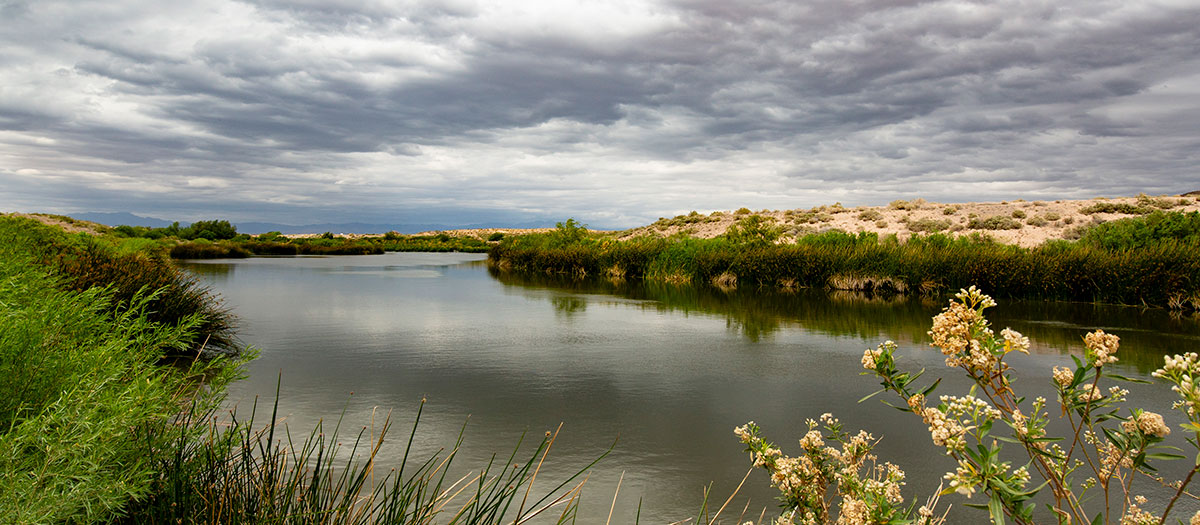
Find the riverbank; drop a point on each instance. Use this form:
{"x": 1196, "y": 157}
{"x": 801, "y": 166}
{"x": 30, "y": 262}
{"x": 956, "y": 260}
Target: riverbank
{"x": 1151, "y": 260}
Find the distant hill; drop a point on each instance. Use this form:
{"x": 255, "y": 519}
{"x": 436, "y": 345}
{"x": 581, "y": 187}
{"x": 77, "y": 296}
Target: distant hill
{"x": 254, "y": 228}
{"x": 117, "y": 219}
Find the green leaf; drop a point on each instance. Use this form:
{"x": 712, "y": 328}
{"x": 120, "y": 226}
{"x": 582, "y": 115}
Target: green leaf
{"x": 1163, "y": 456}
{"x": 930, "y": 388}
{"x": 1098, "y": 519}
{"x": 996, "y": 508}
{"x": 1129, "y": 379}
{"x": 872, "y": 394}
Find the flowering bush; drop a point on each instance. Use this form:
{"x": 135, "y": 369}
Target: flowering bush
{"x": 1101, "y": 457}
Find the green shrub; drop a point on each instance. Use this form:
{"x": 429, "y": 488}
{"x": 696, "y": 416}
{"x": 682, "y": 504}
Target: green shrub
{"x": 495, "y": 236}
{"x": 753, "y": 230}
{"x": 995, "y": 222}
{"x": 743, "y": 211}
{"x": 1141, "y": 232}
{"x": 1116, "y": 207}
{"x": 1144, "y": 200}
{"x": 914, "y": 204}
{"x": 949, "y": 210}
{"x": 1037, "y": 221}
{"x": 214, "y": 230}
{"x": 870, "y": 215}
{"x": 1018, "y": 214}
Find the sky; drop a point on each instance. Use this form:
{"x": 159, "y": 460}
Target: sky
{"x": 612, "y": 112}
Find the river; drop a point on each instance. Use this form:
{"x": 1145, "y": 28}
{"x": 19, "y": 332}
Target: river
{"x": 665, "y": 371}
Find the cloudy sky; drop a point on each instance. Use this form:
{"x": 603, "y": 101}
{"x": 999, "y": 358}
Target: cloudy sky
{"x": 612, "y": 111}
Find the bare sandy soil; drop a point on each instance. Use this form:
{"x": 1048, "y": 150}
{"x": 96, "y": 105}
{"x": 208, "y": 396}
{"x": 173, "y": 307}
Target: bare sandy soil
{"x": 66, "y": 223}
{"x": 1038, "y": 221}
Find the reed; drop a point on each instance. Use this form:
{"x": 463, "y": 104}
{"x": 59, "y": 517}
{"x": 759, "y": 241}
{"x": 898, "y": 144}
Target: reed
{"x": 1152, "y": 274}
{"x": 241, "y": 472}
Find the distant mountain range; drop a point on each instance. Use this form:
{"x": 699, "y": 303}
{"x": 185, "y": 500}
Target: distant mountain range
{"x": 124, "y": 218}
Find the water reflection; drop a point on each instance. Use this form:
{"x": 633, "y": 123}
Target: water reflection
{"x": 1055, "y": 328}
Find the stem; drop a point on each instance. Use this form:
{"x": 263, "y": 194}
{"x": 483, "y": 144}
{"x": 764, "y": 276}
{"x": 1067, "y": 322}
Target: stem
{"x": 1179, "y": 492}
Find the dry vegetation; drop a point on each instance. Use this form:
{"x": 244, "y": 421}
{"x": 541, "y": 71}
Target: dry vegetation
{"x": 1020, "y": 222}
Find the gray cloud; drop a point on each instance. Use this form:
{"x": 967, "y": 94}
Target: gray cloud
{"x": 617, "y": 113}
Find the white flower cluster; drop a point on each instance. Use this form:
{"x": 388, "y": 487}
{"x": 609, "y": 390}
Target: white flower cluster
{"x": 1063, "y": 376}
{"x": 1013, "y": 340}
{"x": 1101, "y": 347}
{"x": 1183, "y": 370}
{"x": 969, "y": 405}
{"x": 1148, "y": 423}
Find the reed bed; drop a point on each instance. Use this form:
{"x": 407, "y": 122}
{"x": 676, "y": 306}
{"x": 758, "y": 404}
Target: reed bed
{"x": 1157, "y": 274}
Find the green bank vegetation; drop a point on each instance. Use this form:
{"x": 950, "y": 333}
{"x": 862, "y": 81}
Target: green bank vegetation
{"x": 218, "y": 239}
{"x": 109, "y": 413}
{"x": 1152, "y": 260}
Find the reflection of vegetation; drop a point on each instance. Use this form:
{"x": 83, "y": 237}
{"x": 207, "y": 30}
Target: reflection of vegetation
{"x": 569, "y": 305}
{"x": 1056, "y": 327}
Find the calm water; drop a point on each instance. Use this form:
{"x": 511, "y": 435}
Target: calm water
{"x": 666, "y": 371}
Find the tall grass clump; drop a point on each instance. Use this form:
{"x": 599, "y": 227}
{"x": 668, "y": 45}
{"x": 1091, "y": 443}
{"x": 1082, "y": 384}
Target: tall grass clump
{"x": 259, "y": 473}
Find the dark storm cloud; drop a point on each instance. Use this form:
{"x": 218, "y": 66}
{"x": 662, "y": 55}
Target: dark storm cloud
{"x": 621, "y": 111}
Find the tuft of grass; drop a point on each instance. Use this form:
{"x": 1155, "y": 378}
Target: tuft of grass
{"x": 243, "y": 472}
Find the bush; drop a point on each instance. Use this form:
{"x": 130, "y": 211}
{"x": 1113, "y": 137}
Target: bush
{"x": 1018, "y": 214}
{"x": 1116, "y": 207}
{"x": 753, "y": 230}
{"x": 495, "y": 236}
{"x": 914, "y": 204}
{"x": 870, "y": 215}
{"x": 1141, "y": 232}
{"x": 743, "y": 211}
{"x": 215, "y": 230}
{"x": 995, "y": 222}
{"x": 1037, "y": 221}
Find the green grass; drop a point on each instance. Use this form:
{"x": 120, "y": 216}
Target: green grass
{"x": 1153, "y": 274}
